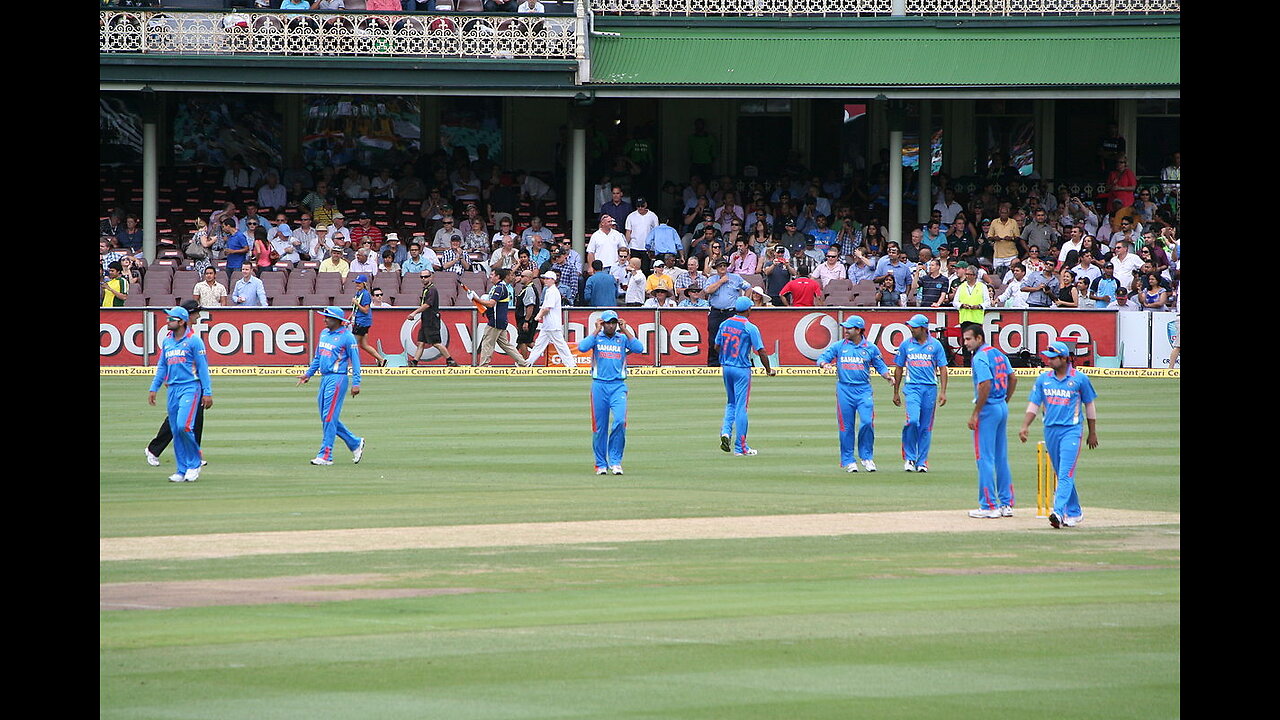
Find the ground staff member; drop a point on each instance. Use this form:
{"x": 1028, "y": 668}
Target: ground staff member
{"x": 183, "y": 367}
{"x": 336, "y": 352}
{"x": 362, "y": 317}
{"x": 164, "y": 435}
{"x": 1062, "y": 391}
{"x": 723, "y": 288}
{"x": 734, "y": 343}
{"x": 971, "y": 298}
{"x": 609, "y": 388}
{"x": 926, "y": 363}
{"x": 499, "y": 302}
{"x": 993, "y": 386}
{"x": 854, "y": 358}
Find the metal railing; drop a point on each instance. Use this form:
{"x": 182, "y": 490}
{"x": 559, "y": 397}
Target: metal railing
{"x": 319, "y": 33}
{"x": 978, "y": 8}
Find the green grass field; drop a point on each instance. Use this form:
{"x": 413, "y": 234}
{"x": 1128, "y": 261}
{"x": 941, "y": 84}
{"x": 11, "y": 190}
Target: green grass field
{"x": 1080, "y": 623}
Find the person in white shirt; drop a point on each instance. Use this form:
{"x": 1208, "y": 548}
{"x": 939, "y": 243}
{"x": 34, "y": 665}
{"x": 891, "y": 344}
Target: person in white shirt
{"x": 281, "y": 238}
{"x": 236, "y": 176}
{"x": 339, "y": 233}
{"x": 531, "y": 6}
{"x": 1014, "y": 295}
{"x": 640, "y": 225}
{"x": 1123, "y": 303}
{"x": 551, "y": 324}
{"x": 364, "y": 264}
{"x": 605, "y": 242}
{"x": 1074, "y": 239}
{"x": 661, "y": 299}
{"x": 634, "y": 287}
{"x": 621, "y": 272}
{"x": 1125, "y": 264}
{"x": 533, "y": 188}
{"x": 273, "y": 194}
{"x": 948, "y": 207}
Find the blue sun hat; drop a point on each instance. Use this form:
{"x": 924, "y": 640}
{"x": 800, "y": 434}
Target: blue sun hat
{"x": 854, "y": 321}
{"x": 180, "y": 313}
{"x": 742, "y": 304}
{"x": 334, "y": 312}
{"x": 918, "y": 320}
{"x": 1056, "y": 349}
{"x": 608, "y": 316}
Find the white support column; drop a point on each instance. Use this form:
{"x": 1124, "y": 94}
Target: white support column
{"x": 925, "y": 162}
{"x": 578, "y": 189}
{"x": 895, "y": 185}
{"x": 150, "y": 189}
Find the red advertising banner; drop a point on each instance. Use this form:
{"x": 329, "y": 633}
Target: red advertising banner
{"x": 792, "y": 336}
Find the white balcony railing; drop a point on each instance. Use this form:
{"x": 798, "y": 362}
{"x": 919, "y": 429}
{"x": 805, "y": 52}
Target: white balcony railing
{"x": 916, "y": 8}
{"x": 371, "y": 35}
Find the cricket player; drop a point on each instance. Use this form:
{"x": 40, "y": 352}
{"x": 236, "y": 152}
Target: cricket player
{"x": 362, "y": 317}
{"x": 854, "y": 358}
{"x": 926, "y": 364}
{"x": 164, "y": 435}
{"x": 993, "y": 385}
{"x": 336, "y": 352}
{"x": 551, "y": 324}
{"x": 734, "y": 343}
{"x": 1061, "y": 391}
{"x": 182, "y": 366}
{"x": 609, "y": 388}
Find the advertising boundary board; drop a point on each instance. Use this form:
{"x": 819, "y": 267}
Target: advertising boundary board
{"x": 632, "y": 372}
{"x": 672, "y": 338}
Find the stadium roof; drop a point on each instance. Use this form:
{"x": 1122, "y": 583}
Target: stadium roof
{"x": 1033, "y": 60}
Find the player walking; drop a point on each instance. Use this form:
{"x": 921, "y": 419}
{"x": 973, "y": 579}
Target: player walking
{"x": 926, "y": 364}
{"x": 1062, "y": 391}
{"x": 854, "y": 358}
{"x": 734, "y": 343}
{"x": 336, "y": 352}
{"x": 551, "y": 324}
{"x": 993, "y": 385}
{"x": 183, "y": 367}
{"x": 362, "y": 317}
{"x": 609, "y": 388}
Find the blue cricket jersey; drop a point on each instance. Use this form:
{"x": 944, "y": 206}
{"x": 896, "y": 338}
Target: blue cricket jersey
{"x": 336, "y": 352}
{"x": 182, "y": 361}
{"x": 610, "y": 361}
{"x": 921, "y": 360}
{"x": 991, "y": 364}
{"x": 1062, "y": 399}
{"x": 362, "y": 297}
{"x": 737, "y": 339}
{"x": 854, "y": 361}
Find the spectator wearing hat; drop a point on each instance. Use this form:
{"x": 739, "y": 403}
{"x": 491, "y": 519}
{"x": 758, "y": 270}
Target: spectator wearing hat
{"x": 661, "y": 299}
{"x": 397, "y": 248}
{"x": 601, "y": 290}
{"x": 567, "y": 275}
{"x": 639, "y": 226}
{"x": 693, "y": 298}
{"x": 318, "y": 248}
{"x": 1103, "y": 288}
{"x": 362, "y": 317}
{"x": 550, "y": 318}
{"x": 340, "y": 235}
{"x": 723, "y": 290}
{"x": 248, "y": 290}
{"x": 759, "y": 298}
{"x": 1122, "y": 302}
{"x": 335, "y": 263}
{"x": 793, "y": 240}
{"x": 659, "y": 278}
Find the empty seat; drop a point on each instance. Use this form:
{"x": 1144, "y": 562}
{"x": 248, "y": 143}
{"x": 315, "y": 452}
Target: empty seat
{"x": 838, "y": 284}
{"x": 301, "y": 282}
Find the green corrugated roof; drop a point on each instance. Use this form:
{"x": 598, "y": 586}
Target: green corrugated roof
{"x": 932, "y": 57}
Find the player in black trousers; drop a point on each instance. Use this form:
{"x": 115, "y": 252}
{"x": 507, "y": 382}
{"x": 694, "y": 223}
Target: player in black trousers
{"x": 165, "y": 435}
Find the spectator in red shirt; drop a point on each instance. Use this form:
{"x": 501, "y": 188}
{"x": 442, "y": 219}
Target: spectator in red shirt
{"x": 1121, "y": 183}
{"x": 366, "y": 230}
{"x": 800, "y": 291}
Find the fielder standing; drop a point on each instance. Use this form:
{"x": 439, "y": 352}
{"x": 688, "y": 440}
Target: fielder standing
{"x": 164, "y": 435}
{"x": 926, "y": 364}
{"x": 551, "y": 324}
{"x": 1062, "y": 391}
{"x": 609, "y": 388}
{"x": 182, "y": 366}
{"x": 336, "y": 353}
{"x": 854, "y": 358}
{"x": 993, "y": 385}
{"x": 735, "y": 341}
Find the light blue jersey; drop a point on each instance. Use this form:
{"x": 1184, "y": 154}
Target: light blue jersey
{"x": 610, "y": 361}
{"x": 854, "y": 362}
{"x": 336, "y": 353}
{"x": 921, "y": 360}
{"x": 991, "y": 364}
{"x": 738, "y": 339}
{"x": 182, "y": 362}
{"x": 1063, "y": 398}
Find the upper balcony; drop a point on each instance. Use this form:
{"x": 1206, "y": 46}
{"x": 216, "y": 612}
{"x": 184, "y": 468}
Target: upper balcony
{"x": 886, "y": 8}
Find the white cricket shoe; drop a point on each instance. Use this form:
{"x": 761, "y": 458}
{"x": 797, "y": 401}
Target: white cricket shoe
{"x": 909, "y": 466}
{"x": 1071, "y": 521}
{"x": 748, "y": 451}
{"x": 615, "y": 469}
{"x": 320, "y": 461}
{"x": 152, "y": 460}
{"x": 203, "y": 462}
{"x": 851, "y": 467}
{"x": 600, "y": 470}
{"x": 193, "y": 474}
{"x": 922, "y": 467}
{"x": 1006, "y": 511}
{"x": 869, "y": 465}
{"x": 358, "y": 452}
{"x": 177, "y": 477}
{"x": 724, "y": 443}
{"x": 980, "y": 513}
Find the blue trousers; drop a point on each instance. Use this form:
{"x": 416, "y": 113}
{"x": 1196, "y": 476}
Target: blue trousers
{"x": 991, "y": 446}
{"x": 917, "y": 435}
{"x": 608, "y": 435}
{"x": 333, "y": 392}
{"x": 1063, "y": 445}
{"x": 737, "y": 386}
{"x": 855, "y": 401}
{"x": 183, "y": 403}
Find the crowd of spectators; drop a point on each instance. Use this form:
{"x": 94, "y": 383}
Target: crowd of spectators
{"x": 508, "y": 6}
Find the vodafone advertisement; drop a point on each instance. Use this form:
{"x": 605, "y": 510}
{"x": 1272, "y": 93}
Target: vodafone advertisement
{"x": 792, "y": 336}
